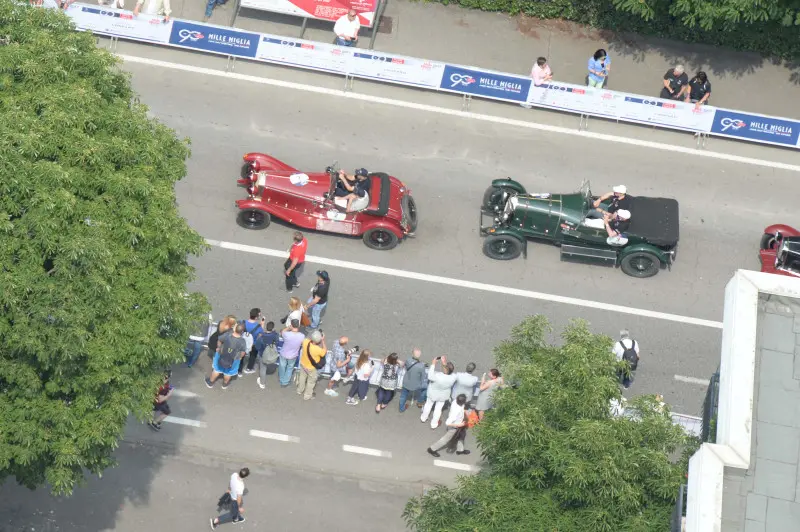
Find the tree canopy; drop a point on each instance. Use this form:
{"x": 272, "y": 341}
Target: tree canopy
{"x": 93, "y": 251}
{"x": 709, "y": 14}
{"x": 556, "y": 458}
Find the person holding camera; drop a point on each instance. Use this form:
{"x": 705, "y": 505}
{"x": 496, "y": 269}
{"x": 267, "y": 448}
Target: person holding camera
{"x": 361, "y": 385}
{"x": 441, "y": 384}
{"x": 312, "y": 359}
{"x": 340, "y": 359}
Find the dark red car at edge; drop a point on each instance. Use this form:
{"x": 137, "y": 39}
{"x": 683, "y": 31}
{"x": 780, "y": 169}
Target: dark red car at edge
{"x": 387, "y": 215}
{"x": 780, "y": 250}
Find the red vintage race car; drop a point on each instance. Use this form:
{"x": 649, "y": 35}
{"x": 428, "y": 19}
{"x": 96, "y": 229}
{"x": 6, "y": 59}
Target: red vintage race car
{"x": 383, "y": 217}
{"x": 780, "y": 250}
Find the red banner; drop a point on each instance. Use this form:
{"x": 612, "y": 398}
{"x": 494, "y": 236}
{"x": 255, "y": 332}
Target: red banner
{"x": 320, "y": 9}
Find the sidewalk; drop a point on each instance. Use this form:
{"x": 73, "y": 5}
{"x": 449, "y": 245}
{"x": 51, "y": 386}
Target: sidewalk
{"x": 511, "y": 44}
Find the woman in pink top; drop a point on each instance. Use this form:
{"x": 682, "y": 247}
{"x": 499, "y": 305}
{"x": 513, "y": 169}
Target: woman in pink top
{"x": 541, "y": 72}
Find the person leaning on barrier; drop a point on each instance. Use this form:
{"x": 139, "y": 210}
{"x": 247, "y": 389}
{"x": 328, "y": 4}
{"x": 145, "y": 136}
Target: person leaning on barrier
{"x": 346, "y": 29}
{"x": 541, "y": 72}
{"x": 699, "y": 90}
{"x": 676, "y": 84}
{"x": 162, "y": 7}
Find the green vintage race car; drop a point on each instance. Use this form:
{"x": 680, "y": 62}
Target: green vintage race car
{"x": 510, "y": 216}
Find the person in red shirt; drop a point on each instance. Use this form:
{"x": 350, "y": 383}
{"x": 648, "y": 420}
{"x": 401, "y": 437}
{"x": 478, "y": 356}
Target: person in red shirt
{"x": 160, "y": 407}
{"x": 294, "y": 264}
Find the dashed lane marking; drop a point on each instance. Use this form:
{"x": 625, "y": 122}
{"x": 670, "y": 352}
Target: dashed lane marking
{"x": 274, "y": 436}
{"x": 187, "y": 422}
{"x": 367, "y": 451}
{"x": 456, "y": 465}
{"x": 461, "y": 283}
{"x": 692, "y": 380}
{"x": 461, "y": 114}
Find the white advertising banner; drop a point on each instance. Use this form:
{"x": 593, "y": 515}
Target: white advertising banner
{"x": 397, "y": 69}
{"x": 305, "y": 54}
{"x": 320, "y": 9}
{"x": 116, "y": 22}
{"x": 622, "y": 106}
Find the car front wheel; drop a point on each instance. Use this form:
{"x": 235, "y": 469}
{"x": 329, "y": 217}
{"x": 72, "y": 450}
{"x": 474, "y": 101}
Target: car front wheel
{"x": 502, "y": 247}
{"x": 253, "y": 219}
{"x": 768, "y": 241}
{"x": 640, "y": 264}
{"x": 380, "y": 239}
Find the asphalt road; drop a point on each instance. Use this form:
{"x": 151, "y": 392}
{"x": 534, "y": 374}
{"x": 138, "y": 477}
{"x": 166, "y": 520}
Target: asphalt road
{"x": 447, "y": 162}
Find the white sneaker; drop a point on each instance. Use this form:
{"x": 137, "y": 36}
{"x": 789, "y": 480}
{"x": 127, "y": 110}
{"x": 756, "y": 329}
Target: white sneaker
{"x": 249, "y": 371}
{"x": 332, "y": 393}
{"x": 260, "y": 384}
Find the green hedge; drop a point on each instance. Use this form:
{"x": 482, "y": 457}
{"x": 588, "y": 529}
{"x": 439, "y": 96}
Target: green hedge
{"x": 769, "y": 39}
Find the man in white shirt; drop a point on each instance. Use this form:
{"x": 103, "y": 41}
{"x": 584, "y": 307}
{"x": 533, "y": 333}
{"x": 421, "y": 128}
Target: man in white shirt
{"x": 455, "y": 420}
{"x": 237, "y": 492}
{"x": 346, "y": 29}
{"x": 630, "y": 346}
{"x": 465, "y": 383}
{"x": 441, "y": 384}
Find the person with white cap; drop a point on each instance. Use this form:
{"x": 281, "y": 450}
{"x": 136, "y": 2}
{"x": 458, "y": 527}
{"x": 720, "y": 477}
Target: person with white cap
{"x": 617, "y": 225}
{"x": 676, "y": 83}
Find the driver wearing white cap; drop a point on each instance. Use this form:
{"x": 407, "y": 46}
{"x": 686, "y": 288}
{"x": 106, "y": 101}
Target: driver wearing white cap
{"x": 618, "y": 223}
{"x": 619, "y": 200}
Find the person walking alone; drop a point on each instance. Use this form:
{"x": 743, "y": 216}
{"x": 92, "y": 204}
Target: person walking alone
{"x": 388, "y": 382}
{"x": 293, "y": 266}
{"x": 455, "y": 421}
{"x": 319, "y": 298}
{"x": 415, "y": 381}
{"x": 438, "y": 390}
{"x": 361, "y": 384}
{"x": 627, "y": 350}
{"x": 236, "y": 491}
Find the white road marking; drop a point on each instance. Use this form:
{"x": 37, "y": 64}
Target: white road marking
{"x": 692, "y": 380}
{"x": 367, "y": 451}
{"x": 455, "y": 465}
{"x": 183, "y": 393}
{"x": 274, "y": 436}
{"x": 184, "y": 421}
{"x": 462, "y": 114}
{"x": 597, "y": 305}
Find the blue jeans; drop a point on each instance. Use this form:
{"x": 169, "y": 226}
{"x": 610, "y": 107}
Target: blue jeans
{"x": 316, "y": 313}
{"x": 285, "y": 370}
{"x": 342, "y": 42}
{"x": 192, "y": 351}
{"x": 421, "y": 395}
{"x": 211, "y": 4}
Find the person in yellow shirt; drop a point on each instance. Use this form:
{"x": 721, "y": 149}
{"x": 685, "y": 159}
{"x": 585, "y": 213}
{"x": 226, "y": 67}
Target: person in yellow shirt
{"x": 312, "y": 359}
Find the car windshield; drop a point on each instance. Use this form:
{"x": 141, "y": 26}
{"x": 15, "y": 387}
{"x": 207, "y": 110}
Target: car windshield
{"x": 586, "y": 192}
{"x": 789, "y": 257}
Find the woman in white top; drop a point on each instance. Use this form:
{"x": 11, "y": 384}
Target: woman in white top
{"x": 296, "y": 310}
{"x": 361, "y": 384}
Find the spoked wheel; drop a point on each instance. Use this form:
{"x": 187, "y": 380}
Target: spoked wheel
{"x": 640, "y": 264}
{"x": 253, "y": 219}
{"x": 410, "y": 210}
{"x": 502, "y": 247}
{"x": 768, "y": 241}
{"x": 380, "y": 239}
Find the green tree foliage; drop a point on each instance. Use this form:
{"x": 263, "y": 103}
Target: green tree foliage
{"x": 556, "y": 459}
{"x": 709, "y": 14}
{"x": 93, "y": 252}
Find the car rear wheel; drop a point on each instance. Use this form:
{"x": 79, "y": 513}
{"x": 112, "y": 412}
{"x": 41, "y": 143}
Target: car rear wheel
{"x": 640, "y": 264}
{"x": 502, "y": 247}
{"x": 768, "y": 241}
{"x": 380, "y": 239}
{"x": 253, "y": 219}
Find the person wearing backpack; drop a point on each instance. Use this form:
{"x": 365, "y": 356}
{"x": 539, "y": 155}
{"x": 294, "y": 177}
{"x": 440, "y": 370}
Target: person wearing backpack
{"x": 312, "y": 359}
{"x": 627, "y": 350}
{"x": 252, "y": 328}
{"x": 266, "y": 347}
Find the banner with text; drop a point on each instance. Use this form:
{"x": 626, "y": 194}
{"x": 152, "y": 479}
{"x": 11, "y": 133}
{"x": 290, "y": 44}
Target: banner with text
{"x": 321, "y": 9}
{"x": 305, "y": 54}
{"x": 486, "y": 84}
{"x": 397, "y": 69}
{"x": 119, "y": 23}
{"x": 214, "y": 39}
{"x": 745, "y": 126}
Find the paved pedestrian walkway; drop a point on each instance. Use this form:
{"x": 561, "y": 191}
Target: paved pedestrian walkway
{"x": 739, "y": 80}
